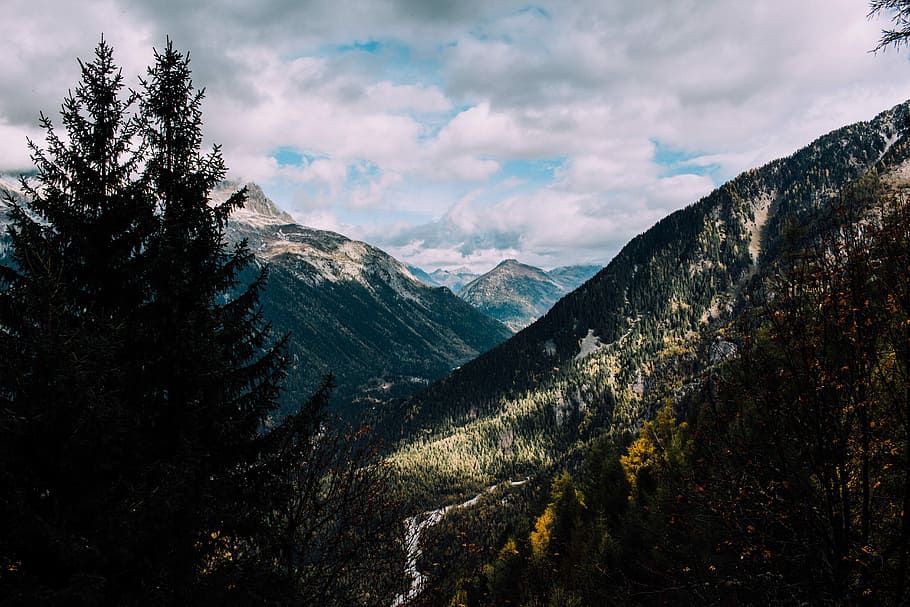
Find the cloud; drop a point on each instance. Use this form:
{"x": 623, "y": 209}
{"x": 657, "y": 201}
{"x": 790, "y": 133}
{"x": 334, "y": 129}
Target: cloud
{"x": 456, "y": 132}
{"x": 14, "y": 155}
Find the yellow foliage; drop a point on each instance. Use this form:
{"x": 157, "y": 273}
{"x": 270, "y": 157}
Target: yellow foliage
{"x": 662, "y": 444}
{"x": 510, "y": 549}
{"x": 543, "y": 532}
{"x": 220, "y": 550}
{"x": 460, "y": 599}
{"x": 641, "y": 456}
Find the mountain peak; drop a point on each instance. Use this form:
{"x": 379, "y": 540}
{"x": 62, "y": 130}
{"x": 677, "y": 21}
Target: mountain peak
{"x": 258, "y": 210}
{"x": 365, "y": 317}
{"x": 513, "y": 292}
{"x": 258, "y": 202}
{"x": 511, "y": 263}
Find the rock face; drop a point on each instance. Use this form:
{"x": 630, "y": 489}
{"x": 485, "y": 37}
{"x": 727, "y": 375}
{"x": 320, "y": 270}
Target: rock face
{"x": 354, "y": 311}
{"x": 518, "y": 294}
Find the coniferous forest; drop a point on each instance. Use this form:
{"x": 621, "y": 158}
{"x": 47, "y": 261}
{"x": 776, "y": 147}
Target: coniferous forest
{"x": 721, "y": 416}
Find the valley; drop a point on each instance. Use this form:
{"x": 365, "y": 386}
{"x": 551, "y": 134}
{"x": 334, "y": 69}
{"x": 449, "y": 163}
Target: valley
{"x": 639, "y": 338}
{"x": 455, "y": 304}
{"x": 467, "y": 406}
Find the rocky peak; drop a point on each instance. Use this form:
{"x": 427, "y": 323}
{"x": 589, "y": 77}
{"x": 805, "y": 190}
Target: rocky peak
{"x": 258, "y": 210}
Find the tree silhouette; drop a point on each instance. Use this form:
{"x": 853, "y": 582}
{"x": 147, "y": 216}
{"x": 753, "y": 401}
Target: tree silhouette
{"x": 137, "y": 374}
{"x": 900, "y": 18}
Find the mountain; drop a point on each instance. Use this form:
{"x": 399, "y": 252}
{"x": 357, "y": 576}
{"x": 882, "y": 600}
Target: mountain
{"x": 455, "y": 280}
{"x": 354, "y": 311}
{"x": 518, "y": 294}
{"x": 350, "y": 309}
{"x": 514, "y": 293}
{"x": 423, "y": 276}
{"x": 608, "y": 355}
{"x": 572, "y": 277}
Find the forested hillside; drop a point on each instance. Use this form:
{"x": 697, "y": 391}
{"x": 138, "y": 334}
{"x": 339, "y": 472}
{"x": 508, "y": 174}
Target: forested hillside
{"x": 571, "y": 392}
{"x": 592, "y": 363}
{"x": 778, "y": 471}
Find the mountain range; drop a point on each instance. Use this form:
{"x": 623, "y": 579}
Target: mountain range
{"x": 354, "y": 311}
{"x": 350, "y": 310}
{"x": 514, "y": 293}
{"x": 642, "y": 335}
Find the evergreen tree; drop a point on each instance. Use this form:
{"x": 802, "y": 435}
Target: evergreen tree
{"x": 137, "y": 372}
{"x": 211, "y": 371}
{"x": 900, "y": 19}
{"x": 78, "y": 248}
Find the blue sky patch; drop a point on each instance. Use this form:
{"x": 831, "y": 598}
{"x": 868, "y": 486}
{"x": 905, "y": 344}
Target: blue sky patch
{"x": 394, "y": 60}
{"x": 677, "y": 161}
{"x": 363, "y": 172}
{"x": 533, "y": 172}
{"x": 370, "y": 46}
{"x": 291, "y": 156}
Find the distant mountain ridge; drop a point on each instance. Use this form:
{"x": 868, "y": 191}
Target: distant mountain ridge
{"x": 350, "y": 309}
{"x": 514, "y": 293}
{"x": 455, "y": 280}
{"x": 518, "y": 294}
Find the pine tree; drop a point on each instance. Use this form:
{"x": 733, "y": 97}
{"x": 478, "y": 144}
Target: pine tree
{"x": 137, "y": 368}
{"x": 136, "y": 374}
{"x": 213, "y": 370}
{"x": 77, "y": 254}
{"x": 899, "y": 11}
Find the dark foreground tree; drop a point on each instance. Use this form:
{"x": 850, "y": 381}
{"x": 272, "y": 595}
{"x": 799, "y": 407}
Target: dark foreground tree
{"x": 137, "y": 371}
{"x": 899, "y": 10}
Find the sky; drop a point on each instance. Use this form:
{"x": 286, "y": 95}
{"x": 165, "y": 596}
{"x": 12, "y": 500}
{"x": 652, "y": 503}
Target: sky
{"x": 457, "y": 134}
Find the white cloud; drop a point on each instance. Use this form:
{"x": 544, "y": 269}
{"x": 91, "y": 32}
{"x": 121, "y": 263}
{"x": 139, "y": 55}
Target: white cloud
{"x": 416, "y": 118}
{"x": 388, "y": 97}
{"x": 14, "y": 153}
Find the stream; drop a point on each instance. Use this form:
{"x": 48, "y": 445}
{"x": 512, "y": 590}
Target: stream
{"x": 414, "y": 528}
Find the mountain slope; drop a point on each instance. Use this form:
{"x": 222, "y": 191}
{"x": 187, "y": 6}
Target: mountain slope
{"x": 350, "y": 309}
{"x": 455, "y": 280}
{"x": 572, "y": 277}
{"x": 600, "y": 359}
{"x": 514, "y": 293}
{"x": 518, "y": 294}
{"x": 354, "y": 311}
